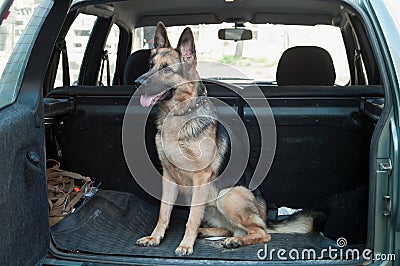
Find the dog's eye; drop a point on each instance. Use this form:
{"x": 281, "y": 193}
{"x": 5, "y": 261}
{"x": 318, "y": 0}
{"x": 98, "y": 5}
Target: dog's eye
{"x": 151, "y": 65}
{"x": 166, "y": 68}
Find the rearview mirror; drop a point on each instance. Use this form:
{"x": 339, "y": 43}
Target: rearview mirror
{"x": 235, "y": 34}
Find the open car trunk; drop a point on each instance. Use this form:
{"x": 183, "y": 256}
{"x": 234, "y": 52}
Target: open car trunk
{"x": 321, "y": 162}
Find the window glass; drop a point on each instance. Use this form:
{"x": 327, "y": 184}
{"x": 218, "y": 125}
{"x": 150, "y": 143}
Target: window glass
{"x": 258, "y": 58}
{"x": 77, "y": 39}
{"x": 112, "y": 49}
{"x": 16, "y": 41}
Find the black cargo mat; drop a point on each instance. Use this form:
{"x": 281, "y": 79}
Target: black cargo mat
{"x": 111, "y": 222}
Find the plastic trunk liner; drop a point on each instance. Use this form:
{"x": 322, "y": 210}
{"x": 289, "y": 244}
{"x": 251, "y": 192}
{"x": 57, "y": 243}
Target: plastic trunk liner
{"x": 111, "y": 222}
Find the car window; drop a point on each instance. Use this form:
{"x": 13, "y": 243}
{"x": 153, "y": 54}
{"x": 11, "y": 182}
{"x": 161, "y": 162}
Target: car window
{"x": 76, "y": 40}
{"x": 112, "y": 50}
{"x": 16, "y": 40}
{"x": 257, "y": 58}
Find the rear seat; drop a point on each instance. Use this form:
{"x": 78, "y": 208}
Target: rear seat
{"x": 306, "y": 125}
{"x": 300, "y": 65}
{"x": 305, "y": 65}
{"x": 136, "y": 65}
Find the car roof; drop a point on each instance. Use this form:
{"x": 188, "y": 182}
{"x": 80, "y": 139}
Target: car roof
{"x": 137, "y": 13}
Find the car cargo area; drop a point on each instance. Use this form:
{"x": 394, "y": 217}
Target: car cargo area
{"x": 321, "y": 163}
{"x": 324, "y": 104}
{"x": 111, "y": 221}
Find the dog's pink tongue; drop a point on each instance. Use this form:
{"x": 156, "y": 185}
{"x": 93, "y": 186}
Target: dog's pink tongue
{"x": 146, "y": 100}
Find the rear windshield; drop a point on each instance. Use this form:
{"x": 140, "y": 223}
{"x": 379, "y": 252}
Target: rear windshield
{"x": 254, "y": 59}
{"x": 14, "y": 30}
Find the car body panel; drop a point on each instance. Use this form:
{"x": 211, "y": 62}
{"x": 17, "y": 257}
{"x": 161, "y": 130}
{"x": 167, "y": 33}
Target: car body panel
{"x": 386, "y": 209}
{"x": 23, "y": 190}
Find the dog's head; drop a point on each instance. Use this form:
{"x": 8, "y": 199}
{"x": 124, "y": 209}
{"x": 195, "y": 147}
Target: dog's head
{"x": 172, "y": 75}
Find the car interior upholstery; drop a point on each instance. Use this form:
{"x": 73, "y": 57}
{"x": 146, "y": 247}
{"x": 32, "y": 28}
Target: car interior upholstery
{"x": 136, "y": 65}
{"x": 296, "y": 68}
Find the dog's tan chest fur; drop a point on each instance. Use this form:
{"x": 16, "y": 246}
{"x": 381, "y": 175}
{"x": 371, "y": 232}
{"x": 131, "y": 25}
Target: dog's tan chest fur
{"x": 183, "y": 155}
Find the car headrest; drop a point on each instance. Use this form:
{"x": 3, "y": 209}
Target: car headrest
{"x": 306, "y": 65}
{"x": 136, "y": 65}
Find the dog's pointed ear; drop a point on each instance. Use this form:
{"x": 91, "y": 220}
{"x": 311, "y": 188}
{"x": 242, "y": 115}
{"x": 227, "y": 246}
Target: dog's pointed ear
{"x": 186, "y": 45}
{"x": 161, "y": 37}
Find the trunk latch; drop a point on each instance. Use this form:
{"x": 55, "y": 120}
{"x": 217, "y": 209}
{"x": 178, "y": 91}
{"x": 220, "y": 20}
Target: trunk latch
{"x": 385, "y": 166}
{"x": 387, "y": 206}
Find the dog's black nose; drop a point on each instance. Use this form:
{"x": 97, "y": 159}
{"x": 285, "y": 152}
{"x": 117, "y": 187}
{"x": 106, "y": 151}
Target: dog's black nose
{"x": 140, "y": 80}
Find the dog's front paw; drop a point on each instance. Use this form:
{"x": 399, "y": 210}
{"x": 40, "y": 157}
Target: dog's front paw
{"x": 184, "y": 250}
{"x": 232, "y": 242}
{"x": 148, "y": 241}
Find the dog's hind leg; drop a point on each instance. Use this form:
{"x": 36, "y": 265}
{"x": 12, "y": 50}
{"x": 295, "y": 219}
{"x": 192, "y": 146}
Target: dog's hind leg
{"x": 169, "y": 194}
{"x": 215, "y": 231}
{"x": 244, "y": 212}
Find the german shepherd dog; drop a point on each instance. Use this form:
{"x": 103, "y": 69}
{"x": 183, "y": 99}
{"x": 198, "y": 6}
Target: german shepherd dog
{"x": 174, "y": 84}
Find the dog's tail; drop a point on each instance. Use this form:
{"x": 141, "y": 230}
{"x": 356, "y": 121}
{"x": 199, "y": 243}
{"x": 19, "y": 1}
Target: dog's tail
{"x": 299, "y": 223}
